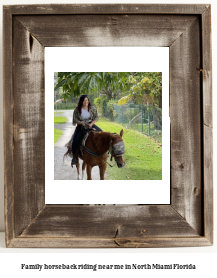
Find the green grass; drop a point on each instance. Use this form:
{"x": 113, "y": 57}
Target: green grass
{"x": 57, "y": 134}
{"x": 154, "y": 134}
{"x": 60, "y": 120}
{"x": 143, "y": 156}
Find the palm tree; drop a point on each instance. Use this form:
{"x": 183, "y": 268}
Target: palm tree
{"x": 77, "y": 83}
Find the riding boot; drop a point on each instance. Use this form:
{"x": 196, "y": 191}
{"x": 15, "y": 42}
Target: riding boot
{"x": 74, "y": 160}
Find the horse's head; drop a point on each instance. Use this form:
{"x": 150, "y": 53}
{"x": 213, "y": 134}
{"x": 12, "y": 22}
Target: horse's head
{"x": 118, "y": 149}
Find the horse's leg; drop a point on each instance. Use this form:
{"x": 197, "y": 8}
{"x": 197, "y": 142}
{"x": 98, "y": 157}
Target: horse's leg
{"x": 89, "y": 169}
{"x": 78, "y": 171}
{"x": 102, "y": 169}
{"x": 83, "y": 169}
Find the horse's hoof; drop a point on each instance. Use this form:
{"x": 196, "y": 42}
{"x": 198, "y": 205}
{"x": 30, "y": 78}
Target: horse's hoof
{"x": 78, "y": 177}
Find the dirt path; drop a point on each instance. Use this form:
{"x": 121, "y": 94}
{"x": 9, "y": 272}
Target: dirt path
{"x": 63, "y": 169}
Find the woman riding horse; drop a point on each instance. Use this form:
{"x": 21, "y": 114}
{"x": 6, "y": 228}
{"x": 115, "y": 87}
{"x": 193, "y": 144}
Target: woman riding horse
{"x": 85, "y": 115}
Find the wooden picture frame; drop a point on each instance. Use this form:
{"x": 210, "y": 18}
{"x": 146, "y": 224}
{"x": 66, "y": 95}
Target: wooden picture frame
{"x": 186, "y": 30}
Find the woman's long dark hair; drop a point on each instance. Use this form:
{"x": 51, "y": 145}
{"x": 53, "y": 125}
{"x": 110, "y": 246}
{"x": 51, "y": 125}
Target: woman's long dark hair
{"x": 80, "y": 103}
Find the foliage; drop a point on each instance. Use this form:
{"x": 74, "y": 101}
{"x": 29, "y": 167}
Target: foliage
{"x": 143, "y": 156}
{"x": 101, "y": 87}
{"x": 65, "y": 105}
{"x": 78, "y": 83}
{"x": 113, "y": 84}
{"x": 145, "y": 87}
{"x": 124, "y": 100}
{"x": 110, "y": 111}
{"x": 100, "y": 103}
{"x": 105, "y": 107}
{"x": 157, "y": 116}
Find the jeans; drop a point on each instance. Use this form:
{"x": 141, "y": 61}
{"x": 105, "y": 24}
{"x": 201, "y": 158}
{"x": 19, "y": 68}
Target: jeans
{"x": 78, "y": 134}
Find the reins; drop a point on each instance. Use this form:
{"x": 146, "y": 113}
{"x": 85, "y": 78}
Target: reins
{"x": 117, "y": 151}
{"x": 108, "y": 163}
{"x": 119, "y": 146}
{"x": 97, "y": 155}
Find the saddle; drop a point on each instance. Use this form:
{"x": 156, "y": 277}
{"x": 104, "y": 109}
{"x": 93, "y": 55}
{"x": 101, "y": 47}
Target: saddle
{"x": 86, "y": 132}
{"x": 82, "y": 144}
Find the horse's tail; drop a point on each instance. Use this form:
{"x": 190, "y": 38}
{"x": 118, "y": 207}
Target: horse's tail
{"x": 68, "y": 153}
{"x": 69, "y": 150}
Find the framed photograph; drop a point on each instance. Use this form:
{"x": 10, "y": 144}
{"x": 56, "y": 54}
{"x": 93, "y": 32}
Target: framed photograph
{"x": 44, "y": 211}
{"x": 145, "y": 134}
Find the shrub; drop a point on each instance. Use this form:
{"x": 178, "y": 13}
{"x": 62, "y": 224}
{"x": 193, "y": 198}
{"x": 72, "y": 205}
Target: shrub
{"x": 110, "y": 111}
{"x": 100, "y": 104}
{"x": 67, "y": 105}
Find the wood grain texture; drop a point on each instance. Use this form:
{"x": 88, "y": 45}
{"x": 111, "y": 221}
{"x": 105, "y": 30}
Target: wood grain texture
{"x": 107, "y": 30}
{"x": 208, "y": 183}
{"x": 185, "y": 29}
{"x": 207, "y": 122}
{"x": 185, "y": 113}
{"x": 108, "y": 243}
{"x": 29, "y": 139}
{"x": 207, "y": 67}
{"x": 106, "y": 9}
{"x": 8, "y": 125}
{"x": 109, "y": 222}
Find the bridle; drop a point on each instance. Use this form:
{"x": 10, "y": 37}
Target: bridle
{"x": 115, "y": 150}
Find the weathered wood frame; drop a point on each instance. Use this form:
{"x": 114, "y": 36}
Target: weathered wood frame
{"x": 188, "y": 220}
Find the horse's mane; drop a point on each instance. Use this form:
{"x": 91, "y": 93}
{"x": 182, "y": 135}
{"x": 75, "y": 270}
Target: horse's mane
{"x": 100, "y": 140}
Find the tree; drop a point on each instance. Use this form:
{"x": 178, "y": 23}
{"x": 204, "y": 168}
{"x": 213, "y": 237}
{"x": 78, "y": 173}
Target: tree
{"x": 141, "y": 87}
{"x": 78, "y": 83}
{"x": 114, "y": 83}
{"x": 57, "y": 91}
{"x": 145, "y": 87}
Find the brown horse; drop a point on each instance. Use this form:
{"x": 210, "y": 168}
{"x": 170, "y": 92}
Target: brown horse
{"x": 95, "y": 152}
